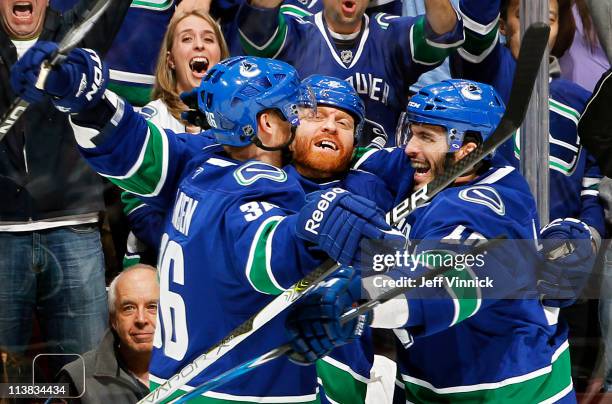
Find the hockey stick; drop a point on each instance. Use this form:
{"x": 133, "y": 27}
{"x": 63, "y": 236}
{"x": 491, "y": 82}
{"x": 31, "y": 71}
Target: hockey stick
{"x": 70, "y": 40}
{"x": 275, "y": 353}
{"x": 532, "y": 49}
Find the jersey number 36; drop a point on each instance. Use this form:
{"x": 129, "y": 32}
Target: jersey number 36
{"x": 172, "y": 307}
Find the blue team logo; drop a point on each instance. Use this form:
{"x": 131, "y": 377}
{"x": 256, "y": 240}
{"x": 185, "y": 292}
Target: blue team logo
{"x": 148, "y": 112}
{"x": 248, "y": 69}
{"x": 252, "y": 171}
{"x": 486, "y": 196}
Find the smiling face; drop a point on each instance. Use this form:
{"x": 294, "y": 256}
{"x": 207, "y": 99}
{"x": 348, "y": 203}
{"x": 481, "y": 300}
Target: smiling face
{"x": 324, "y": 143}
{"x": 344, "y": 16}
{"x": 427, "y": 151}
{"x": 195, "y": 48}
{"x": 23, "y": 19}
{"x": 135, "y": 309}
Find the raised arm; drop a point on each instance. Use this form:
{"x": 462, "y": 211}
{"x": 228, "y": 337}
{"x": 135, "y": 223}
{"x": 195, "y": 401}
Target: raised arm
{"x": 441, "y": 15}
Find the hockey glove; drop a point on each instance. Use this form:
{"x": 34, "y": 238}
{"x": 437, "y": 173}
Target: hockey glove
{"x": 568, "y": 260}
{"x": 337, "y": 221}
{"x": 313, "y": 324}
{"x": 75, "y": 85}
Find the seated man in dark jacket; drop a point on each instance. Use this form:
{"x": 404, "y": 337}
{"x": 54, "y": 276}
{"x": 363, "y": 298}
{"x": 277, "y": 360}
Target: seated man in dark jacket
{"x": 118, "y": 369}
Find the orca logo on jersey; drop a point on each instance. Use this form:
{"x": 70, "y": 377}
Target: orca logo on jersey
{"x": 317, "y": 216}
{"x": 484, "y": 195}
{"x": 252, "y": 171}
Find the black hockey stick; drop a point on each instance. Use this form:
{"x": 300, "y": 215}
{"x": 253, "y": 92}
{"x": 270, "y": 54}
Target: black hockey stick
{"x": 275, "y": 353}
{"x": 532, "y": 49}
{"x": 70, "y": 40}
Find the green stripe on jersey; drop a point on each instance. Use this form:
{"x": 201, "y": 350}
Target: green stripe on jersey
{"x": 340, "y": 385}
{"x": 424, "y": 52}
{"x": 138, "y": 96}
{"x": 158, "y": 5}
{"x": 130, "y": 202}
{"x": 148, "y": 174}
{"x": 219, "y": 398}
{"x": 258, "y": 269}
{"x": 271, "y": 48}
{"x": 564, "y": 110}
{"x": 359, "y": 152}
{"x": 466, "y": 298}
{"x": 550, "y": 382}
{"x": 295, "y": 11}
{"x": 480, "y": 45}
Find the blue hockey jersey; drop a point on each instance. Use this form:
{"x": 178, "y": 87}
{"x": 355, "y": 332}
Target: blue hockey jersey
{"x": 474, "y": 344}
{"x": 152, "y": 163}
{"x": 483, "y": 343}
{"x": 228, "y": 247}
{"x": 574, "y": 175}
{"x": 387, "y": 56}
{"x": 133, "y": 56}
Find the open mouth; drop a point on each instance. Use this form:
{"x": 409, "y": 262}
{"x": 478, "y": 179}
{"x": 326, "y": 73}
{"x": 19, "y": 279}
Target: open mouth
{"x": 349, "y": 6}
{"x": 422, "y": 168}
{"x": 199, "y": 65}
{"x": 23, "y": 9}
{"x": 326, "y": 145}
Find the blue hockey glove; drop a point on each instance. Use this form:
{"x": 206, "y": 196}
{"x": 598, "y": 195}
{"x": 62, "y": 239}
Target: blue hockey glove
{"x": 337, "y": 221}
{"x": 313, "y": 324}
{"x": 568, "y": 261}
{"x": 75, "y": 85}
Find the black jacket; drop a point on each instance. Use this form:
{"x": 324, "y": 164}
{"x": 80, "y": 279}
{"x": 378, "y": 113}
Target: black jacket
{"x": 42, "y": 175}
{"x": 106, "y": 379}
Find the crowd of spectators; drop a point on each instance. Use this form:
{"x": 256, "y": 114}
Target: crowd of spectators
{"x": 53, "y": 262}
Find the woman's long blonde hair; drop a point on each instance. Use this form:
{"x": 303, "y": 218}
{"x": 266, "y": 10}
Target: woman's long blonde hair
{"x": 165, "y": 78}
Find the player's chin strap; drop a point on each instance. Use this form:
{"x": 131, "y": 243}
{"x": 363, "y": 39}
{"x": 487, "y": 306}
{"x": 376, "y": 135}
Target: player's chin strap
{"x": 533, "y": 45}
{"x": 257, "y": 142}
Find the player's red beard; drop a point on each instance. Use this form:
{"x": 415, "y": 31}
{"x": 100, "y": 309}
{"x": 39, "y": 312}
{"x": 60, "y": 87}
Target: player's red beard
{"x": 313, "y": 162}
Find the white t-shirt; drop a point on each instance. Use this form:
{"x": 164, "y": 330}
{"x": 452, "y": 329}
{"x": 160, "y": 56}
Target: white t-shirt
{"x": 157, "y": 112}
{"x": 23, "y": 46}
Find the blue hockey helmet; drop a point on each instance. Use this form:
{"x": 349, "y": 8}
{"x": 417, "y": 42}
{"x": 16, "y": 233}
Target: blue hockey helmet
{"x": 459, "y": 106}
{"x": 334, "y": 92}
{"x": 236, "y": 90}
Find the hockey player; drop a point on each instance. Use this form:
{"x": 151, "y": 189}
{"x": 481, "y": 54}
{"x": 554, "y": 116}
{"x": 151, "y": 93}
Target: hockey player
{"x": 322, "y": 152}
{"x": 574, "y": 175}
{"x": 381, "y": 57}
{"x": 469, "y": 345}
{"x": 238, "y": 230}
{"x": 193, "y": 43}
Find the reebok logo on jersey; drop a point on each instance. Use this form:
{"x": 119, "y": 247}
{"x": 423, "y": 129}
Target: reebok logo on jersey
{"x": 312, "y": 224}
